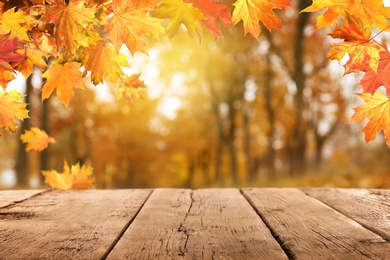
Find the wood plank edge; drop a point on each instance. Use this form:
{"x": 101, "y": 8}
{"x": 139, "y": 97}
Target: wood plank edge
{"x": 24, "y": 199}
{"x": 126, "y": 226}
{"x": 282, "y": 245}
{"x": 367, "y": 226}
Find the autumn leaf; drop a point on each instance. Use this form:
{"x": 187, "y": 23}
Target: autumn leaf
{"x": 32, "y": 57}
{"x": 17, "y": 23}
{"x": 36, "y": 139}
{"x": 363, "y": 52}
{"x": 251, "y": 12}
{"x": 132, "y": 88}
{"x": 179, "y": 12}
{"x": 63, "y": 78}
{"x": 130, "y": 22}
{"x": 71, "y": 178}
{"x": 71, "y": 23}
{"x": 8, "y": 53}
{"x": 214, "y": 11}
{"x": 372, "y": 81}
{"x": 372, "y": 13}
{"x": 11, "y": 108}
{"x": 105, "y": 60}
{"x": 377, "y": 110}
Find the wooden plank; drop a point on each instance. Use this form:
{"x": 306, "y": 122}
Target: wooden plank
{"x": 9, "y": 197}
{"x": 201, "y": 224}
{"x": 67, "y": 224}
{"x": 371, "y": 208}
{"x": 308, "y": 229}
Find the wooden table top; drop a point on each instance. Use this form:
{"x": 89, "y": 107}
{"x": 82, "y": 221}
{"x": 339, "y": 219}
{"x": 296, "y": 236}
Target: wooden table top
{"x": 252, "y": 223}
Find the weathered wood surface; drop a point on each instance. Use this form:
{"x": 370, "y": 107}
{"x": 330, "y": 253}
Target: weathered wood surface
{"x": 250, "y": 223}
{"x": 371, "y": 208}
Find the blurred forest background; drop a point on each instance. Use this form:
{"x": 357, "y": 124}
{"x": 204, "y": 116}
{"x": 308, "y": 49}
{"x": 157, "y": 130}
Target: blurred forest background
{"x": 219, "y": 113}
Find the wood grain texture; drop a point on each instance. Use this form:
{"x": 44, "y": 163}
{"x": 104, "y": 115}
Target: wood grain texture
{"x": 200, "y": 224}
{"x": 9, "y": 197}
{"x": 308, "y": 229}
{"x": 221, "y": 224}
{"x": 155, "y": 234}
{"x": 67, "y": 224}
{"x": 371, "y": 208}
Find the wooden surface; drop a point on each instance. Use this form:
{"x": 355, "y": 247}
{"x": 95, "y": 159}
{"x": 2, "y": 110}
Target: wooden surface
{"x": 250, "y": 223}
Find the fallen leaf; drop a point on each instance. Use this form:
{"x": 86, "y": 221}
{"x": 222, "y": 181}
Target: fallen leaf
{"x": 71, "y": 178}
{"x": 36, "y": 139}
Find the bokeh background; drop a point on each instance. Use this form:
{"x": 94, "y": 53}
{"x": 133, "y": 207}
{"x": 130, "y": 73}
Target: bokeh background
{"x": 215, "y": 113}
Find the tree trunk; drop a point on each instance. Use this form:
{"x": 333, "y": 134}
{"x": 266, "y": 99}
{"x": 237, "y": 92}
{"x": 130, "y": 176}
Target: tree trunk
{"x": 22, "y": 159}
{"x": 232, "y": 149}
{"x": 297, "y": 157}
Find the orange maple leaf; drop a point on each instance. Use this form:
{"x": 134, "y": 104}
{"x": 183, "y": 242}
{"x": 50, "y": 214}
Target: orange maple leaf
{"x": 377, "y": 111}
{"x": 179, "y": 12}
{"x": 362, "y": 50}
{"x": 63, "y": 77}
{"x": 373, "y": 80}
{"x": 372, "y": 13}
{"x": 71, "y": 23}
{"x": 36, "y": 139}
{"x": 8, "y": 53}
{"x": 32, "y": 57}
{"x": 104, "y": 60}
{"x": 71, "y": 178}
{"x": 214, "y": 11}
{"x": 11, "y": 108}
{"x": 132, "y": 88}
{"x": 250, "y": 12}
{"x": 130, "y": 21}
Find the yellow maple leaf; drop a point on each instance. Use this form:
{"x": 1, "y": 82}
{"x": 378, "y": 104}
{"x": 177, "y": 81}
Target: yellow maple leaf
{"x": 370, "y": 12}
{"x": 377, "y": 110}
{"x": 130, "y": 21}
{"x": 36, "y": 139}
{"x": 179, "y": 12}
{"x": 11, "y": 108}
{"x": 251, "y": 12}
{"x": 63, "y": 77}
{"x": 104, "y": 60}
{"x": 132, "y": 88}
{"x": 71, "y": 178}
{"x": 16, "y": 22}
{"x": 71, "y": 22}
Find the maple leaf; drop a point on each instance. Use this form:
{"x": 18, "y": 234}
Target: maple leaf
{"x": 372, "y": 13}
{"x": 179, "y": 12}
{"x": 250, "y": 12}
{"x": 8, "y": 48}
{"x": 363, "y": 52}
{"x": 71, "y": 23}
{"x": 130, "y": 21}
{"x": 132, "y": 88}
{"x": 11, "y": 108}
{"x": 373, "y": 80}
{"x": 71, "y": 178}
{"x": 16, "y": 23}
{"x": 36, "y": 139}
{"x": 377, "y": 111}
{"x": 214, "y": 10}
{"x": 63, "y": 77}
{"x": 32, "y": 57}
{"x": 104, "y": 60}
